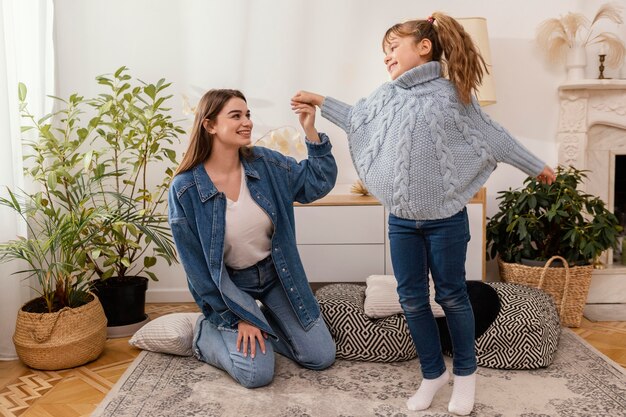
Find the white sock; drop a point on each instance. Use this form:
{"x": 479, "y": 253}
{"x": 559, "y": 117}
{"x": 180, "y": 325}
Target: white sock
{"x": 426, "y": 392}
{"x": 463, "y": 391}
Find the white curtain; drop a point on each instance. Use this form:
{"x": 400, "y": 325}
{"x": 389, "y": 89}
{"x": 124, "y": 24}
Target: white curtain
{"x": 26, "y": 55}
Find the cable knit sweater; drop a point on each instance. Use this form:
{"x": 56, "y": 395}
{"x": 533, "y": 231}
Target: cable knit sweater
{"x": 419, "y": 150}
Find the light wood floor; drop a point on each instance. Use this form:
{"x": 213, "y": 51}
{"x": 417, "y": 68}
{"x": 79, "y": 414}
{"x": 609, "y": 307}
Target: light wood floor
{"x": 76, "y": 392}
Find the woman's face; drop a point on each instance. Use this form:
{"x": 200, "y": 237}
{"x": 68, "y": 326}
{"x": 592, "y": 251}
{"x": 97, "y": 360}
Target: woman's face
{"x": 402, "y": 53}
{"x": 232, "y": 126}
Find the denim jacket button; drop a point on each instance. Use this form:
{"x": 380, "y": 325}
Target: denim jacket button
{"x": 284, "y": 269}
{"x": 291, "y": 289}
{"x": 275, "y": 249}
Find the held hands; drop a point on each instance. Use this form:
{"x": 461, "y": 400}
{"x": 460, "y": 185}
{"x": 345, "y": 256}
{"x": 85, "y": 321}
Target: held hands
{"x": 306, "y": 115}
{"x": 307, "y": 98}
{"x": 247, "y": 337}
{"x": 303, "y": 103}
{"x": 547, "y": 176}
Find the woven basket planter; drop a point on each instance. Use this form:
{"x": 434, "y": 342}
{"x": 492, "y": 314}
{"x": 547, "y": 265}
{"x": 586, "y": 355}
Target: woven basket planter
{"x": 60, "y": 340}
{"x": 568, "y": 286}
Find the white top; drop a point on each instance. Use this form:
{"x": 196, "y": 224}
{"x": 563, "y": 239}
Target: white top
{"x": 249, "y": 230}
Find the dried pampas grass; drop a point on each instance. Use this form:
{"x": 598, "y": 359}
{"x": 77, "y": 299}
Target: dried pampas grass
{"x": 556, "y": 36}
{"x": 359, "y": 188}
{"x": 614, "y": 48}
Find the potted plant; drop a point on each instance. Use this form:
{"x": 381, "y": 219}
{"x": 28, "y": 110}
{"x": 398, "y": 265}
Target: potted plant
{"x": 539, "y": 222}
{"x": 65, "y": 325}
{"x": 132, "y": 130}
{"x": 125, "y": 144}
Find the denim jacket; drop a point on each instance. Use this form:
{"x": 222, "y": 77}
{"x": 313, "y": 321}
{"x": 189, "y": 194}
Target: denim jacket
{"x": 197, "y": 213}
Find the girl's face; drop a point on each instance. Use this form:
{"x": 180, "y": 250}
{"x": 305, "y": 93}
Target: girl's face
{"x": 232, "y": 126}
{"x": 402, "y": 53}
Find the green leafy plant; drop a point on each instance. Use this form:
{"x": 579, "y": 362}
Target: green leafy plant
{"x": 135, "y": 131}
{"x": 60, "y": 216}
{"x": 99, "y": 205}
{"x": 539, "y": 221}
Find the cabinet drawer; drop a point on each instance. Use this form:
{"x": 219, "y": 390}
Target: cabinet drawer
{"x": 342, "y": 263}
{"x": 340, "y": 224}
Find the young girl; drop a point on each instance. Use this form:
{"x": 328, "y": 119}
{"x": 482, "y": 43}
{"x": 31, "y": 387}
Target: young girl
{"x": 423, "y": 147}
{"x": 231, "y": 214}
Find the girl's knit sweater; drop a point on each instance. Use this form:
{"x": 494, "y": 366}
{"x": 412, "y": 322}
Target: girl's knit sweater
{"x": 419, "y": 150}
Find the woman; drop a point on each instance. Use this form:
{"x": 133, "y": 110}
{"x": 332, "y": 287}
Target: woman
{"x": 231, "y": 214}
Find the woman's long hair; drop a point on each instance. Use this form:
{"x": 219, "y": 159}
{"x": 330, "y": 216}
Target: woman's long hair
{"x": 200, "y": 140}
{"x": 460, "y": 60}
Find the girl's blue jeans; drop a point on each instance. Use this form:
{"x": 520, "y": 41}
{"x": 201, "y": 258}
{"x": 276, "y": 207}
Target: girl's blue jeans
{"x": 438, "y": 246}
{"x": 313, "y": 348}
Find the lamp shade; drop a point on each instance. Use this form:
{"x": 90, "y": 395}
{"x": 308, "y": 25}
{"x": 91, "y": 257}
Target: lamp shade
{"x": 476, "y": 27}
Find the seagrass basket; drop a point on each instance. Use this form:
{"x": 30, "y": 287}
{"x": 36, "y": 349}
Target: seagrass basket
{"x": 568, "y": 286}
{"x": 64, "y": 339}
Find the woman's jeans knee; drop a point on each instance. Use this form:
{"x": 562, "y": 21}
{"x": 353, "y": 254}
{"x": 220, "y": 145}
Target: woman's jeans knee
{"x": 313, "y": 348}
{"x": 217, "y": 347}
{"x": 438, "y": 246}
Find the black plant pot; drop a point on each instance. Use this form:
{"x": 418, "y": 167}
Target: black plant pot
{"x": 123, "y": 300}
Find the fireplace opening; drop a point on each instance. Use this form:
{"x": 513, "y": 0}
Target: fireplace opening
{"x": 619, "y": 207}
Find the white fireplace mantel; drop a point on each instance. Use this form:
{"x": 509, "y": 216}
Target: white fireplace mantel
{"x": 591, "y": 131}
{"x": 582, "y": 105}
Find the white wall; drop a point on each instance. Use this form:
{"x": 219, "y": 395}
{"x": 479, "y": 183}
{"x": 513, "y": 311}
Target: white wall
{"x": 271, "y": 48}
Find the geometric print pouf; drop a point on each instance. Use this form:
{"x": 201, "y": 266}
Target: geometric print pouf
{"x": 525, "y": 333}
{"x": 357, "y": 336}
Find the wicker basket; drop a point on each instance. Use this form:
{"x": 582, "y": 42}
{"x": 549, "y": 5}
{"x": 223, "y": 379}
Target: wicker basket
{"x": 568, "y": 286}
{"x": 60, "y": 340}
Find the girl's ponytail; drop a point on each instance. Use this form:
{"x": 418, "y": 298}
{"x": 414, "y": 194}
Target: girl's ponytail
{"x": 463, "y": 62}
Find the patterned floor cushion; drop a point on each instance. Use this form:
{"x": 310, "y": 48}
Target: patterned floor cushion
{"x": 358, "y": 337}
{"x": 524, "y": 334}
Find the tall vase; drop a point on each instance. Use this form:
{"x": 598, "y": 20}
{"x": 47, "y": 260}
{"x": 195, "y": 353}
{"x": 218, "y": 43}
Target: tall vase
{"x": 575, "y": 63}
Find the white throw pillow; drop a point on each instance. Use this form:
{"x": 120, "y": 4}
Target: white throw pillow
{"x": 171, "y": 333}
{"x": 381, "y": 297}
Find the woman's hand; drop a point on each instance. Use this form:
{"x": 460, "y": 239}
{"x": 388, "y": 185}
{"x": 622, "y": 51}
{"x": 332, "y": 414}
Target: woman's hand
{"x": 307, "y": 98}
{"x": 247, "y": 337}
{"x": 306, "y": 115}
{"x": 547, "y": 176}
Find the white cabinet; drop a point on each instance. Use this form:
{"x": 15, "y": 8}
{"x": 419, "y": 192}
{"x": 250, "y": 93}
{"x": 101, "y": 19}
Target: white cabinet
{"x": 343, "y": 238}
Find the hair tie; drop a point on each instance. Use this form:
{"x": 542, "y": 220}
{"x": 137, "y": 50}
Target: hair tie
{"x": 430, "y": 20}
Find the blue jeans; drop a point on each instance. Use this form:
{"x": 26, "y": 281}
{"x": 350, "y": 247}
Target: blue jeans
{"x": 313, "y": 349}
{"x": 438, "y": 246}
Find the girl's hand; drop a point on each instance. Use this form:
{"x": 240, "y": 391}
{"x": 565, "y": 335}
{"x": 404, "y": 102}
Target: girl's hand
{"x": 547, "y": 176}
{"x": 307, "y": 98}
{"x": 247, "y": 337}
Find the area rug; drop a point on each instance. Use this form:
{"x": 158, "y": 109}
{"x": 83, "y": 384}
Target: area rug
{"x": 580, "y": 382}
